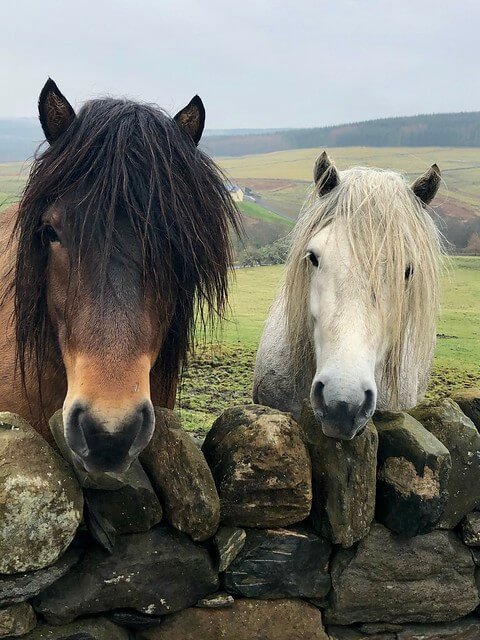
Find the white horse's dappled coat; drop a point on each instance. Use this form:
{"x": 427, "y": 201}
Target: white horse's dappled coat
{"x": 354, "y": 323}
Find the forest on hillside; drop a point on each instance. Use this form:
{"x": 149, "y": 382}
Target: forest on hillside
{"x": 434, "y": 130}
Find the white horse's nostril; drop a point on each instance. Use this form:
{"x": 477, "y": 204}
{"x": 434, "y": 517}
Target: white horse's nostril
{"x": 368, "y": 407}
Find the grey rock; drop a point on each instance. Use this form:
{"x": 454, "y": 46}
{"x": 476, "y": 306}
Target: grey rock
{"x": 228, "y": 542}
{"x": 134, "y": 508}
{"x": 458, "y": 433}
{"x": 466, "y": 629}
{"x": 133, "y": 619}
{"x": 17, "y": 620}
{"x": 352, "y": 633}
{"x": 373, "y": 628}
{"x": 261, "y": 467}
{"x": 470, "y": 529}
{"x": 413, "y": 475}
{"x": 216, "y": 601}
{"x": 40, "y": 500}
{"x": 155, "y": 573}
{"x": 86, "y": 629}
{"x": 281, "y": 563}
{"x": 19, "y": 587}
{"x": 245, "y": 620}
{"x": 180, "y": 475}
{"x": 344, "y": 481}
{"x": 476, "y": 556}
{"x": 429, "y": 578}
{"x": 469, "y": 402}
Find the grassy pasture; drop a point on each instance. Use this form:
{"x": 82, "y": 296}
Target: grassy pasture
{"x": 460, "y": 170}
{"x": 221, "y": 375}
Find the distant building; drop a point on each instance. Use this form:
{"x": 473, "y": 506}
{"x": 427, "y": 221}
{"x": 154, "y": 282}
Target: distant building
{"x": 235, "y": 192}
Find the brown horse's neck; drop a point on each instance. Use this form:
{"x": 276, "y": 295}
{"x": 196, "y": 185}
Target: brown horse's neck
{"x": 53, "y": 384}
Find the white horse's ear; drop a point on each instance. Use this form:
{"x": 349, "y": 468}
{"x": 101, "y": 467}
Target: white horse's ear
{"x": 192, "y": 119}
{"x": 425, "y": 187}
{"x": 55, "y": 112}
{"x": 325, "y": 174}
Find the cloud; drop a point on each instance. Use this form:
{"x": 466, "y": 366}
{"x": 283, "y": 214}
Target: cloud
{"x": 258, "y": 63}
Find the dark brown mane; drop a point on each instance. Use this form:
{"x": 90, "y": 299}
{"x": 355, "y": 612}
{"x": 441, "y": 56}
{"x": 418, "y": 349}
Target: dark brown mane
{"x": 125, "y": 160}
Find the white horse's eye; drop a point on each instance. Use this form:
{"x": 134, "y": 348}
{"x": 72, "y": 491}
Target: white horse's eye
{"x": 408, "y": 272}
{"x": 313, "y": 258}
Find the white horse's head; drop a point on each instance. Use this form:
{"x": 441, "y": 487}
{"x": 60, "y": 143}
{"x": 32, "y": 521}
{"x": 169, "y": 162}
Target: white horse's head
{"x": 362, "y": 289}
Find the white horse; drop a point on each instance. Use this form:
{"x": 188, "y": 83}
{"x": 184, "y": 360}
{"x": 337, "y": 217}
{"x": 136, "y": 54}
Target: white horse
{"x": 354, "y": 323}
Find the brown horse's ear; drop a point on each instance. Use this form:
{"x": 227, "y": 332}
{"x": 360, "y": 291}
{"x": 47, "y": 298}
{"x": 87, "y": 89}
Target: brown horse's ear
{"x": 192, "y": 119}
{"x": 325, "y": 174}
{"x": 56, "y": 113}
{"x": 425, "y": 187}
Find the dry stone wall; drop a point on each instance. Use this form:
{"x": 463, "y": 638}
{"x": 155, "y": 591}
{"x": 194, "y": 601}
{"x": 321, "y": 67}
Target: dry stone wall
{"x": 270, "y": 531}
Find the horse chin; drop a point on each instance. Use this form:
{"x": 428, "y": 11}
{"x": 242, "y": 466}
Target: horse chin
{"x": 339, "y": 431}
{"x": 94, "y": 470}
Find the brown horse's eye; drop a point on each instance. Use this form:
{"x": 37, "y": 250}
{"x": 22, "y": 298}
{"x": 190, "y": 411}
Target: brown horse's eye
{"x": 313, "y": 258}
{"x": 49, "y": 234}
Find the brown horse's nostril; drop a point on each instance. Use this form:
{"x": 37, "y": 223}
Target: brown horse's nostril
{"x": 103, "y": 445}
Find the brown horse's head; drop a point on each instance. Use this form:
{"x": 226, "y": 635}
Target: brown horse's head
{"x": 123, "y": 233}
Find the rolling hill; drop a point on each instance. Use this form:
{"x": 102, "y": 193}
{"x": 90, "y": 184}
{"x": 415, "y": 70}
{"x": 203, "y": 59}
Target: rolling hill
{"x": 439, "y": 130}
{"x": 19, "y": 137}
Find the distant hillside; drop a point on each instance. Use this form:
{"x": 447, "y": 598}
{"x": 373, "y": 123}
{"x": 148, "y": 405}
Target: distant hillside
{"x": 19, "y": 137}
{"x": 436, "y": 130}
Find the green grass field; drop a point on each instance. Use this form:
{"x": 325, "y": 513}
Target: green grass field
{"x": 460, "y": 169}
{"x": 12, "y": 179}
{"x": 221, "y": 375}
{"x": 253, "y": 210}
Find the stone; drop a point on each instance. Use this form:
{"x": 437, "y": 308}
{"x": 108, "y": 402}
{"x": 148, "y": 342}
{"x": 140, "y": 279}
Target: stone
{"x": 466, "y": 629}
{"x": 216, "y": 601}
{"x": 344, "y": 481}
{"x": 413, "y": 474}
{"x": 133, "y": 619}
{"x": 280, "y": 563}
{"x": 155, "y": 573}
{"x": 180, "y": 475}
{"x": 41, "y": 502}
{"x": 476, "y": 557}
{"x": 470, "y": 529}
{"x": 228, "y": 542}
{"x": 261, "y": 467}
{"x": 373, "y": 628}
{"x": 469, "y": 402}
{"x": 351, "y": 633}
{"x": 17, "y": 620}
{"x": 429, "y": 578}
{"x": 19, "y": 587}
{"x": 86, "y": 629}
{"x": 446, "y": 421}
{"x": 134, "y": 508}
{"x": 245, "y": 620}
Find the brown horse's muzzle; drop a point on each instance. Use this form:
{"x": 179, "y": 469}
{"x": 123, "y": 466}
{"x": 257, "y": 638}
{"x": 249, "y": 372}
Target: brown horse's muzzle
{"x": 100, "y": 449}
{"x": 108, "y": 414}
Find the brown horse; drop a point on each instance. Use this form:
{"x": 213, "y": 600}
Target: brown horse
{"x": 120, "y": 241}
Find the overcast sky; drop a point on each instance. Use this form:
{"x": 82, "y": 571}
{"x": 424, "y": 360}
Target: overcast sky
{"x": 255, "y": 63}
